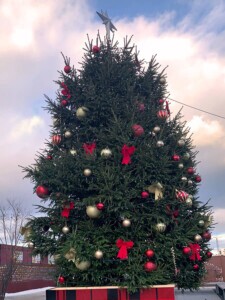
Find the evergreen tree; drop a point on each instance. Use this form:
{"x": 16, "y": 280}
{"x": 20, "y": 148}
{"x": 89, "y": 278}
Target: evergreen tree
{"x": 118, "y": 180}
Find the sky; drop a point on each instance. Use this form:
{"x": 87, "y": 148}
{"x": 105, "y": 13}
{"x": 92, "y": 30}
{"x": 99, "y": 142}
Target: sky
{"x": 187, "y": 36}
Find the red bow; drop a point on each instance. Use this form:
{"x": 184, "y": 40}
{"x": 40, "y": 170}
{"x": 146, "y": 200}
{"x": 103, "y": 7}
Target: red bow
{"x": 167, "y": 108}
{"x": 195, "y": 250}
{"x": 65, "y": 92}
{"x": 127, "y": 152}
{"x": 122, "y": 254}
{"x": 66, "y": 210}
{"x": 89, "y": 148}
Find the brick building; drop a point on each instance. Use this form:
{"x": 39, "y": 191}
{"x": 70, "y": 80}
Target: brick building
{"x": 32, "y": 272}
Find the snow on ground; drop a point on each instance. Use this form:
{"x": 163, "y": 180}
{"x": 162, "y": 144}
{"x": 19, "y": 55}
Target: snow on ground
{"x": 28, "y": 292}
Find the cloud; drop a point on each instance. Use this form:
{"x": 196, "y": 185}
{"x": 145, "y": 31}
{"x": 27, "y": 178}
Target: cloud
{"x": 206, "y": 132}
{"x": 26, "y": 126}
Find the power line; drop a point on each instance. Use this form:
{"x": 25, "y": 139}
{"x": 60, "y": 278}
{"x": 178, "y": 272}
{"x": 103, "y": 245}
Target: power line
{"x": 197, "y": 108}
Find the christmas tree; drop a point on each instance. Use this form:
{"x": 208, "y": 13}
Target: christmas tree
{"x": 117, "y": 181}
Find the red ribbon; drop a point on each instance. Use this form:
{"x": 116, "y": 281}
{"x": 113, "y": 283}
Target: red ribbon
{"x": 127, "y": 152}
{"x": 66, "y": 210}
{"x": 89, "y": 148}
{"x": 122, "y": 254}
{"x": 65, "y": 92}
{"x": 167, "y": 108}
{"x": 195, "y": 250}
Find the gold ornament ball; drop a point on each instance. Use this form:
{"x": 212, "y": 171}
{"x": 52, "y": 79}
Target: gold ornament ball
{"x": 156, "y": 129}
{"x": 186, "y": 156}
{"x": 68, "y": 134}
{"x": 201, "y": 223}
{"x": 98, "y": 254}
{"x": 126, "y": 223}
{"x": 82, "y": 265}
{"x": 93, "y": 212}
{"x": 73, "y": 152}
{"x": 181, "y": 143}
{"x": 87, "y": 172}
{"x": 197, "y": 238}
{"x": 106, "y": 153}
{"x": 184, "y": 179}
{"x": 190, "y": 182}
{"x": 162, "y": 80}
{"x": 188, "y": 201}
{"x": 65, "y": 229}
{"x": 160, "y": 227}
{"x": 30, "y": 245}
{"x": 55, "y": 121}
{"x": 180, "y": 166}
{"x": 160, "y": 144}
{"x": 82, "y": 112}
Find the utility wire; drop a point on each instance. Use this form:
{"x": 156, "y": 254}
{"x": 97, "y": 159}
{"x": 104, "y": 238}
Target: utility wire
{"x": 197, "y": 109}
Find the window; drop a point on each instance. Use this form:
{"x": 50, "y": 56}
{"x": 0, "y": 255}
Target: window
{"x": 18, "y": 256}
{"x": 36, "y": 259}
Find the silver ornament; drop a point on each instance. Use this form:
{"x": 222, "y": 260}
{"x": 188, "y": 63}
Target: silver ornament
{"x": 186, "y": 156}
{"x": 68, "y": 134}
{"x": 180, "y": 166}
{"x": 152, "y": 133}
{"x": 106, "y": 153}
{"x": 98, "y": 254}
{"x": 160, "y": 227}
{"x": 188, "y": 201}
{"x": 73, "y": 152}
{"x": 65, "y": 229}
{"x": 160, "y": 144}
{"x": 184, "y": 179}
{"x": 93, "y": 212}
{"x": 87, "y": 172}
{"x": 30, "y": 244}
{"x": 197, "y": 238}
{"x": 190, "y": 182}
{"x": 156, "y": 129}
{"x": 82, "y": 112}
{"x": 126, "y": 223}
{"x": 181, "y": 143}
{"x": 82, "y": 265}
{"x": 201, "y": 223}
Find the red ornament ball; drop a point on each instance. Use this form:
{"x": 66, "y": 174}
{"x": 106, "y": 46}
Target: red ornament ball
{"x": 198, "y": 178}
{"x": 144, "y": 195}
{"x": 206, "y": 236}
{"x": 100, "y": 206}
{"x": 149, "y": 253}
{"x": 137, "y": 130}
{"x": 56, "y": 139}
{"x": 64, "y": 102}
{"x": 61, "y": 279}
{"x": 49, "y": 157}
{"x": 95, "y": 49}
{"x": 176, "y": 213}
{"x": 141, "y": 106}
{"x": 209, "y": 254}
{"x": 196, "y": 267}
{"x": 176, "y": 157}
{"x": 162, "y": 114}
{"x": 67, "y": 69}
{"x": 150, "y": 266}
{"x": 42, "y": 191}
{"x": 161, "y": 101}
{"x": 190, "y": 170}
{"x": 186, "y": 250}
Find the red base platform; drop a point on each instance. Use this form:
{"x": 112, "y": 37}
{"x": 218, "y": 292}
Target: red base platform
{"x": 157, "y": 292}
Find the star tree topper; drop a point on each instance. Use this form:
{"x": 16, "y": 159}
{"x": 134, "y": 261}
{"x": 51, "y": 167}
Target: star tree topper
{"x": 108, "y": 24}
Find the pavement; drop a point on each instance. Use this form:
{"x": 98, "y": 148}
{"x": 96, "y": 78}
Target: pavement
{"x": 204, "y": 293}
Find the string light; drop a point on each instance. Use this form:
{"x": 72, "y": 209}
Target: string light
{"x": 218, "y": 116}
